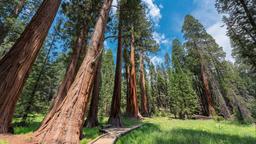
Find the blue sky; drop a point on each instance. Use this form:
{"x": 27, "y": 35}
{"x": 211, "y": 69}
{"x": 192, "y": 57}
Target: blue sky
{"x": 168, "y": 16}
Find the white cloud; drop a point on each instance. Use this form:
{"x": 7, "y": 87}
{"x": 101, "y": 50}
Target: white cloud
{"x": 209, "y": 17}
{"x": 217, "y": 31}
{"x": 161, "y": 38}
{"x": 154, "y": 10}
{"x": 156, "y": 60}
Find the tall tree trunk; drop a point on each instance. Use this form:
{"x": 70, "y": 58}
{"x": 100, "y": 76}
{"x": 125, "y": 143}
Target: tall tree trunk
{"x": 32, "y": 95}
{"x": 128, "y": 99}
{"x": 92, "y": 118}
{"x": 69, "y": 75}
{"x": 207, "y": 91}
{"x": 133, "y": 90}
{"x": 144, "y": 101}
{"x": 114, "y": 118}
{"x": 16, "y": 64}
{"x": 65, "y": 125}
{"x": 5, "y": 30}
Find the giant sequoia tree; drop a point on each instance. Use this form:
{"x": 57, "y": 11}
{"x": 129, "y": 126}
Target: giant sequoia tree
{"x": 78, "y": 27}
{"x": 15, "y": 65}
{"x": 114, "y": 118}
{"x": 203, "y": 57}
{"x": 65, "y": 125}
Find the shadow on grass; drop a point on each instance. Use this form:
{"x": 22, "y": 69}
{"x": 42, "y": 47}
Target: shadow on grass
{"x": 188, "y": 136}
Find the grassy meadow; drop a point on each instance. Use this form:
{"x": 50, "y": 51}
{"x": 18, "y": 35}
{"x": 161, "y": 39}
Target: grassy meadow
{"x": 163, "y": 130}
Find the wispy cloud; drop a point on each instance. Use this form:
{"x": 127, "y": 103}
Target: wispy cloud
{"x": 154, "y": 10}
{"x": 161, "y": 38}
{"x": 156, "y": 60}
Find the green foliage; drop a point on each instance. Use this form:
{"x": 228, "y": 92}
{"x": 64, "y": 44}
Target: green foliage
{"x": 239, "y": 16}
{"x": 107, "y": 84}
{"x": 184, "y": 101}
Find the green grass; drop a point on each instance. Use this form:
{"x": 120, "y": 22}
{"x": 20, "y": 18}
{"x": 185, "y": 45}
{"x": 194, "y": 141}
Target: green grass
{"x": 161, "y": 130}
{"x": 34, "y": 123}
{"x": 168, "y": 131}
{"x": 3, "y": 142}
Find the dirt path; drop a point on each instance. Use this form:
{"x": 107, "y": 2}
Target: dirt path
{"x": 112, "y": 134}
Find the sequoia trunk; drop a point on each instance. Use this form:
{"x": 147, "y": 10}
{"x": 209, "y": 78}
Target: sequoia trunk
{"x": 144, "y": 101}
{"x": 114, "y": 118}
{"x": 16, "y": 64}
{"x": 65, "y": 125}
{"x": 92, "y": 118}
{"x": 69, "y": 76}
{"x": 133, "y": 90}
{"x": 207, "y": 91}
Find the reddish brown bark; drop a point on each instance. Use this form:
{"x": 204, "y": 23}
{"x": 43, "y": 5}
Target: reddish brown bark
{"x": 15, "y": 65}
{"x": 128, "y": 99}
{"x": 69, "y": 75}
{"x": 134, "y": 111}
{"x": 65, "y": 125}
{"x": 114, "y": 118}
{"x": 144, "y": 101}
{"x": 207, "y": 91}
{"x": 92, "y": 118}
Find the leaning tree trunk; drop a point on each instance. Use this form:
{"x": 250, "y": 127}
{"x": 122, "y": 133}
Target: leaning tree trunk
{"x": 5, "y": 30}
{"x": 69, "y": 76}
{"x": 144, "y": 101}
{"x": 133, "y": 90}
{"x": 114, "y": 118}
{"x": 224, "y": 111}
{"x": 92, "y": 118}
{"x": 207, "y": 91}
{"x": 65, "y": 125}
{"x": 16, "y": 64}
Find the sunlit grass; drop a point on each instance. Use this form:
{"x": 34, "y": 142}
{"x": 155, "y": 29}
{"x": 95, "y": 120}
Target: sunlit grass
{"x": 3, "y": 142}
{"x": 170, "y": 131}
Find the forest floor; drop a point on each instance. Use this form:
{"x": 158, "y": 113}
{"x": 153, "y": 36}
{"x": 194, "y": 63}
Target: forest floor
{"x": 163, "y": 130}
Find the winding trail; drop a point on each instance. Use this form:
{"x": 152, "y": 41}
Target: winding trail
{"x": 112, "y": 134}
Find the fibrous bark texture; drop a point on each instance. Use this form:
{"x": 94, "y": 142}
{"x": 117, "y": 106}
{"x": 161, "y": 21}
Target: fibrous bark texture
{"x": 69, "y": 76}
{"x": 16, "y": 64}
{"x": 92, "y": 118}
{"x": 65, "y": 125}
{"x": 144, "y": 101}
{"x": 114, "y": 118}
{"x": 134, "y": 111}
{"x": 207, "y": 91}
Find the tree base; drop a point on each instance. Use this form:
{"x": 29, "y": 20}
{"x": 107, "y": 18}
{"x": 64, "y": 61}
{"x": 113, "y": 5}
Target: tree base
{"x": 115, "y": 122}
{"x": 91, "y": 123}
